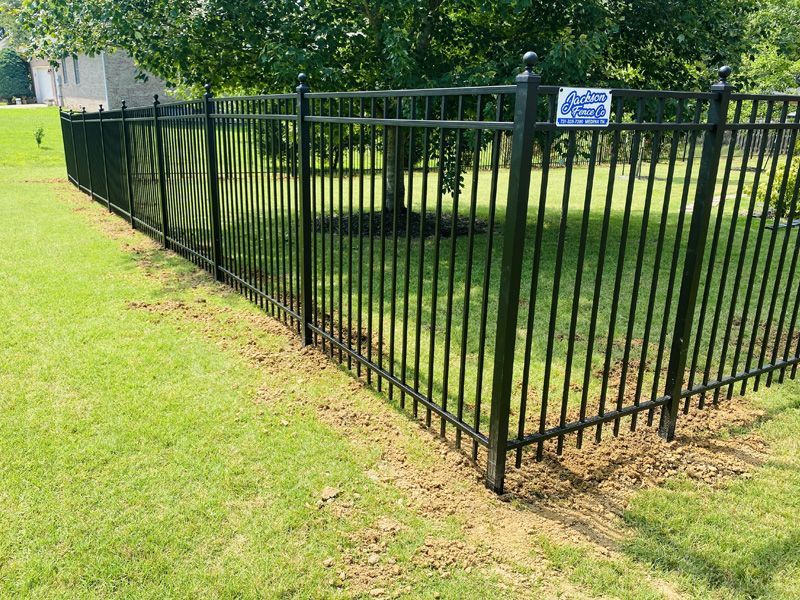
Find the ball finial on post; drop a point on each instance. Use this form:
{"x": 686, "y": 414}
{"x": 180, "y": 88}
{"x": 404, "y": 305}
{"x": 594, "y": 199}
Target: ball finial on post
{"x": 302, "y": 86}
{"x": 100, "y": 108}
{"x": 530, "y": 59}
{"x": 155, "y": 99}
{"x": 724, "y": 72}
{"x": 124, "y": 105}
{"x": 207, "y": 88}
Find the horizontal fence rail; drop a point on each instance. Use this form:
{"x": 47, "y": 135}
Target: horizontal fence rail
{"x": 519, "y": 284}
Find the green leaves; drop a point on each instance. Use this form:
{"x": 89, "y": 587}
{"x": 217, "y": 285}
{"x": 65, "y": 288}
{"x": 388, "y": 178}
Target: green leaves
{"x": 260, "y": 46}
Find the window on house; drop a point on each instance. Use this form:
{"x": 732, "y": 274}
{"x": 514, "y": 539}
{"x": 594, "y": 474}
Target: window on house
{"x": 64, "y": 78}
{"x": 76, "y": 70}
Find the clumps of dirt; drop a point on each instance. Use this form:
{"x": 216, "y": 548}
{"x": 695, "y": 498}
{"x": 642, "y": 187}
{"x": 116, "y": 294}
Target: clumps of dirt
{"x": 576, "y": 497}
{"x": 586, "y": 490}
{"x": 59, "y": 180}
{"x": 366, "y": 566}
{"x": 445, "y": 556}
{"x": 115, "y": 227}
{"x": 232, "y": 329}
{"x": 374, "y": 223}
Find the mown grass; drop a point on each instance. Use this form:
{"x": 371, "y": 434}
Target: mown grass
{"x": 740, "y": 541}
{"x": 135, "y": 461}
{"x": 136, "y": 464}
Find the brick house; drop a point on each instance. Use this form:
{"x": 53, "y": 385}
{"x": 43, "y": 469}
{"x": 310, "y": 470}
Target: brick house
{"x": 107, "y": 78}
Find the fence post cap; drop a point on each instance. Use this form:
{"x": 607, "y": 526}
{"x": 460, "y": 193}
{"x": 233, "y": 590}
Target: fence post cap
{"x": 302, "y": 78}
{"x": 124, "y": 105}
{"x": 100, "y": 108}
{"x": 155, "y": 99}
{"x": 83, "y": 109}
{"x": 530, "y": 59}
{"x": 724, "y": 72}
{"x": 207, "y": 88}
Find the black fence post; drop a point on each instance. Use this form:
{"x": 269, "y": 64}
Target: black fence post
{"x": 86, "y": 152}
{"x": 127, "y": 159}
{"x": 213, "y": 181}
{"x": 519, "y": 179}
{"x": 162, "y": 185}
{"x": 304, "y": 164}
{"x": 103, "y": 152}
{"x": 695, "y": 246}
{"x": 61, "y": 120}
{"x": 76, "y": 175}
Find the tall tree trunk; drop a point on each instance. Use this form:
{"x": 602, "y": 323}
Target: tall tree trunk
{"x": 393, "y": 155}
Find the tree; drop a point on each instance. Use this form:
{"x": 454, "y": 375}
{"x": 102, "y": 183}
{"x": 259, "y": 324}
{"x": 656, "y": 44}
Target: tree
{"x": 260, "y": 45}
{"x": 14, "y": 77}
{"x": 8, "y": 24}
{"x": 771, "y": 63}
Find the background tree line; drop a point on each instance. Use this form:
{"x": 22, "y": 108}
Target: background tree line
{"x": 259, "y": 45}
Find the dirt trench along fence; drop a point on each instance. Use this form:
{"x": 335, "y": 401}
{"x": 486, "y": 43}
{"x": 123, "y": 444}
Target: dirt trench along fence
{"x": 519, "y": 309}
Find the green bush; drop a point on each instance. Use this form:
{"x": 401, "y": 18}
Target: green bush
{"x": 14, "y": 77}
{"x": 780, "y": 198}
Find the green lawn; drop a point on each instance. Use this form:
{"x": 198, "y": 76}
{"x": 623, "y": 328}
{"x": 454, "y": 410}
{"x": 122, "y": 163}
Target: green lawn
{"x": 142, "y": 454}
{"x": 137, "y": 460}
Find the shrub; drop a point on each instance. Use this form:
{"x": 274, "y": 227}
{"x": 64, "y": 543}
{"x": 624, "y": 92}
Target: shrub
{"x": 38, "y": 135}
{"x": 14, "y": 77}
{"x": 780, "y": 198}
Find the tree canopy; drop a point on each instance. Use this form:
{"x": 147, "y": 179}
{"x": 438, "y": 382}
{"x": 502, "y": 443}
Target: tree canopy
{"x": 260, "y": 45}
{"x": 771, "y": 62}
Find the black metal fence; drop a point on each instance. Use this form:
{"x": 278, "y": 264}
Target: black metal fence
{"x": 517, "y": 305}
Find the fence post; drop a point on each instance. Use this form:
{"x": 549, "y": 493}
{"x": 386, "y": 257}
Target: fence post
{"x": 695, "y": 246}
{"x": 103, "y": 152}
{"x": 213, "y": 182}
{"x": 76, "y": 176}
{"x": 519, "y": 179}
{"x": 86, "y": 152}
{"x": 162, "y": 186}
{"x": 61, "y": 120}
{"x": 304, "y": 164}
{"x": 127, "y": 159}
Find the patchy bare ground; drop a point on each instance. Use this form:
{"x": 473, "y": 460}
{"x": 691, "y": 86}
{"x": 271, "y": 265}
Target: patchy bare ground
{"x": 576, "y": 498}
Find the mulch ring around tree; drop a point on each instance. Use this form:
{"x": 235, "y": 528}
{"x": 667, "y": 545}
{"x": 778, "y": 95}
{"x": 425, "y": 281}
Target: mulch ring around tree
{"x": 372, "y": 223}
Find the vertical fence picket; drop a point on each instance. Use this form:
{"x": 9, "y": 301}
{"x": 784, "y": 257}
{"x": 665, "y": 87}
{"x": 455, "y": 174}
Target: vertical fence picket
{"x": 127, "y": 161}
{"x": 89, "y": 187}
{"x": 695, "y": 246}
{"x": 519, "y": 179}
